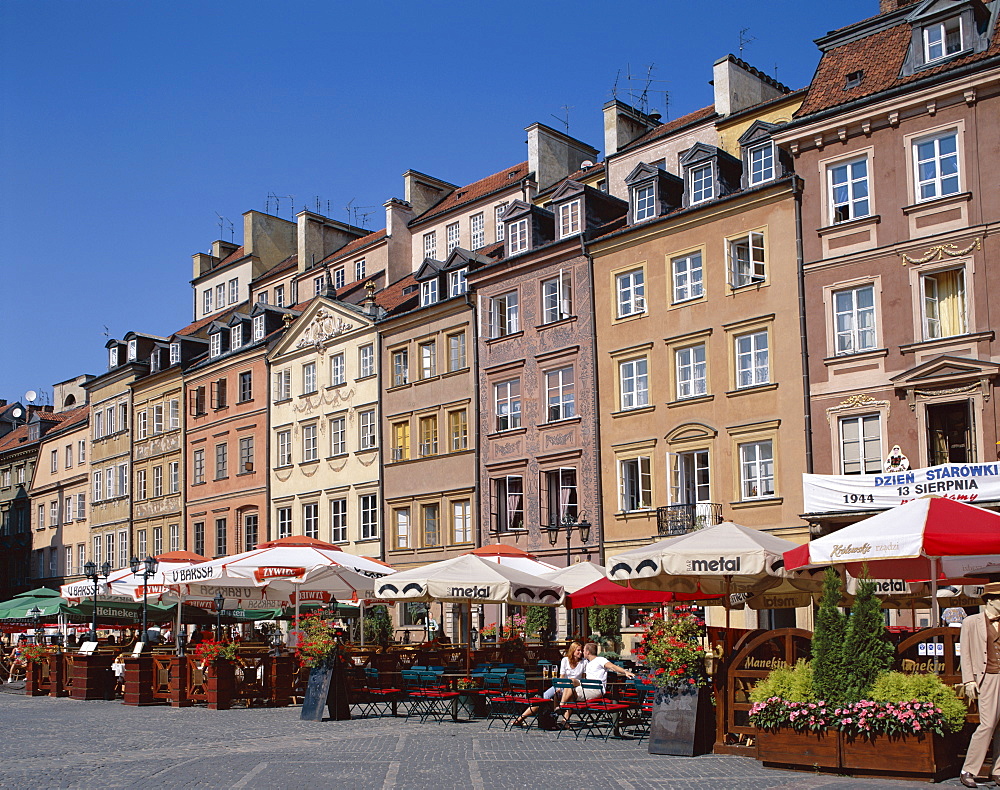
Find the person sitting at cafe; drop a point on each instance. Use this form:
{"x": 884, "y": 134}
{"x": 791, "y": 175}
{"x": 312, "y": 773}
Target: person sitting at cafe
{"x": 596, "y": 669}
{"x": 571, "y": 667}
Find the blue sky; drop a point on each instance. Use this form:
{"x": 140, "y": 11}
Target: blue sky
{"x": 125, "y": 127}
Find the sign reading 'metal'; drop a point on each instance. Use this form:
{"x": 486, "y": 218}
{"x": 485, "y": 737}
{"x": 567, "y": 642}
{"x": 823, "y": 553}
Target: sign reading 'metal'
{"x": 837, "y": 493}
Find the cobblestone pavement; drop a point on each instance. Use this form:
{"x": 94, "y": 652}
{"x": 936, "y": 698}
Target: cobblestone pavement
{"x": 62, "y": 743}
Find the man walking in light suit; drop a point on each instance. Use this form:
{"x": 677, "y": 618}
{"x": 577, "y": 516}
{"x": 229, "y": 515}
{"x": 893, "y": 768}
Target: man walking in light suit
{"x": 981, "y": 677}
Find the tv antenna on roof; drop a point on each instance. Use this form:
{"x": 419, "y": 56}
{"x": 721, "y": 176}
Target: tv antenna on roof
{"x": 223, "y": 221}
{"x": 277, "y": 203}
{"x": 564, "y": 121}
{"x": 745, "y": 39}
{"x": 640, "y": 99}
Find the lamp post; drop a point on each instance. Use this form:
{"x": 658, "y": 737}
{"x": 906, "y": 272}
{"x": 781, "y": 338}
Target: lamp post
{"x": 90, "y": 571}
{"x": 569, "y": 523}
{"x": 149, "y": 566}
{"x": 220, "y": 601}
{"x": 36, "y": 614}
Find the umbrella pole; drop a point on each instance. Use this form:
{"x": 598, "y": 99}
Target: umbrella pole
{"x": 362, "y": 621}
{"x": 468, "y": 641}
{"x": 935, "y": 606}
{"x": 727, "y": 603}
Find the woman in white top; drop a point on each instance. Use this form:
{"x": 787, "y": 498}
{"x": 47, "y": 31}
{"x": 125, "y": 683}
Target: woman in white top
{"x": 571, "y": 667}
{"x": 596, "y": 669}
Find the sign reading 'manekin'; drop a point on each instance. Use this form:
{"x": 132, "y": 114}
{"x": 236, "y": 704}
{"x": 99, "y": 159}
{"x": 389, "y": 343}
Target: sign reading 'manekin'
{"x": 837, "y": 493}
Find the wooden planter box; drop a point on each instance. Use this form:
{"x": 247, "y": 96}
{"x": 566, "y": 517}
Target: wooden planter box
{"x": 179, "y": 682}
{"x": 36, "y": 677}
{"x": 221, "y": 684}
{"x": 139, "y": 681}
{"x": 681, "y": 723}
{"x": 92, "y": 677}
{"x": 801, "y": 750}
{"x": 924, "y": 756}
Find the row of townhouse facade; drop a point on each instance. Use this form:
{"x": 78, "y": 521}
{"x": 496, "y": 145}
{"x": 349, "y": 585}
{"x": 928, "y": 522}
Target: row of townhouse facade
{"x": 780, "y": 282}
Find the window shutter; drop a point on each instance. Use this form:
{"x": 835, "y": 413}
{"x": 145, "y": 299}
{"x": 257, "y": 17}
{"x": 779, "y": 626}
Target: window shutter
{"x": 221, "y": 386}
{"x": 494, "y": 506}
{"x": 645, "y": 483}
{"x": 193, "y": 405}
{"x": 543, "y": 500}
{"x": 215, "y": 394}
{"x": 757, "y": 262}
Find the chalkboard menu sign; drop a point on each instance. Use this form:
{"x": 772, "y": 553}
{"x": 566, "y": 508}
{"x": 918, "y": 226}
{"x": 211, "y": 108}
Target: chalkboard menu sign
{"x": 318, "y": 690}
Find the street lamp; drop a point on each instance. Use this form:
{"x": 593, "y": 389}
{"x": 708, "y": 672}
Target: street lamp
{"x": 149, "y": 566}
{"x": 220, "y": 601}
{"x": 569, "y": 523}
{"x": 36, "y": 614}
{"x": 90, "y": 571}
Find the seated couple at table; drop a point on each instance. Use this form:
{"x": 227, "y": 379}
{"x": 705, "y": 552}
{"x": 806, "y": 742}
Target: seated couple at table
{"x": 579, "y": 661}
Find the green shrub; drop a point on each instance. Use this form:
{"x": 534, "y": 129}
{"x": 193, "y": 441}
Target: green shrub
{"x": 866, "y": 650}
{"x": 900, "y": 687}
{"x": 537, "y": 618}
{"x": 606, "y": 620}
{"x": 829, "y": 666}
{"x": 794, "y": 684}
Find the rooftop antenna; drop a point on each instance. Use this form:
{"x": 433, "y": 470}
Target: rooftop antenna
{"x": 614, "y": 87}
{"x": 641, "y": 102}
{"x": 745, "y": 39}
{"x": 107, "y": 332}
{"x": 359, "y": 212}
{"x": 277, "y": 202}
{"x": 223, "y": 221}
{"x": 347, "y": 208}
{"x": 564, "y": 121}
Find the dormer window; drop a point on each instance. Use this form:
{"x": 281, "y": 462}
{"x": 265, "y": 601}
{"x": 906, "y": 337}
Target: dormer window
{"x": 457, "y": 284}
{"x": 236, "y": 336}
{"x": 132, "y": 349}
{"x": 175, "y": 353}
{"x": 517, "y": 238}
{"x": 113, "y": 357}
{"x": 701, "y": 183}
{"x": 644, "y": 200}
{"x": 760, "y": 160}
{"x": 942, "y": 39}
{"x": 569, "y": 219}
{"x": 428, "y": 292}
{"x": 853, "y": 79}
{"x": 215, "y": 345}
{"x": 258, "y": 327}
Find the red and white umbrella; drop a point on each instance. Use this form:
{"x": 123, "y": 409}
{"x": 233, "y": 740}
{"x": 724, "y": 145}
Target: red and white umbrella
{"x": 932, "y": 538}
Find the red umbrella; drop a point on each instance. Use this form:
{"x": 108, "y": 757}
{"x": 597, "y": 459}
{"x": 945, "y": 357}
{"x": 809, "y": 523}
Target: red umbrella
{"x": 605, "y": 592}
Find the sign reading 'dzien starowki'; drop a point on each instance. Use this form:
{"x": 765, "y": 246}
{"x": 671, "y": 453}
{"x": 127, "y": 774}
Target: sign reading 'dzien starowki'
{"x": 837, "y": 493}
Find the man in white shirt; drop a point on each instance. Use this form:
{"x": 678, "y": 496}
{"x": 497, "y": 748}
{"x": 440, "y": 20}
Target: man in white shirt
{"x": 597, "y": 669}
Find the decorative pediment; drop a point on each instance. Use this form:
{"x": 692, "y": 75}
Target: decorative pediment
{"x": 324, "y": 326}
{"x": 689, "y": 432}
{"x": 428, "y": 270}
{"x": 515, "y": 210}
{"x": 641, "y": 172}
{"x": 758, "y": 130}
{"x": 946, "y": 369}
{"x": 698, "y": 152}
{"x": 238, "y": 318}
{"x": 567, "y": 189}
{"x": 460, "y": 258}
{"x": 932, "y": 9}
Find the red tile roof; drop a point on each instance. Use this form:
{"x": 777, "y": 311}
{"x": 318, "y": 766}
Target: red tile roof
{"x": 672, "y": 126}
{"x": 393, "y": 300}
{"x": 880, "y": 55}
{"x": 291, "y": 262}
{"x": 19, "y": 436}
{"x": 475, "y": 191}
{"x": 353, "y": 247}
{"x": 235, "y": 255}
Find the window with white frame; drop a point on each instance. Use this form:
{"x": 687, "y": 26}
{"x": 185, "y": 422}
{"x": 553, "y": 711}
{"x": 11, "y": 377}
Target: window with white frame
{"x": 173, "y": 475}
{"x": 215, "y": 344}
{"x": 942, "y": 39}
{"x": 81, "y": 505}
{"x": 141, "y": 424}
{"x": 756, "y": 470}
{"x": 760, "y": 159}
{"x": 400, "y": 367}
{"x": 157, "y": 481}
{"x": 68, "y": 456}
{"x": 175, "y": 353}
{"x": 236, "y": 336}
{"x": 557, "y": 298}
{"x": 309, "y": 378}
{"x": 53, "y": 513}
{"x": 504, "y": 317}
{"x": 206, "y": 301}
{"x": 477, "y": 231}
{"x": 359, "y": 269}
{"x": 634, "y": 383}
{"x": 498, "y": 212}
{"x": 702, "y": 183}
{"x": 113, "y": 357}
{"x": 402, "y": 528}
{"x": 123, "y": 479}
{"x": 245, "y": 386}
{"x": 175, "y": 414}
{"x": 338, "y": 370}
{"x": 310, "y": 520}
{"x": 752, "y": 361}
{"x": 569, "y": 218}
{"x": 691, "y": 371}
{"x": 338, "y": 436}
{"x": 143, "y": 548}
{"x": 158, "y": 419}
{"x": 935, "y": 160}
{"x": 508, "y": 503}
{"x": 234, "y": 290}
{"x": 366, "y": 361}
{"x": 635, "y": 484}
{"x": 251, "y": 531}
{"x": 428, "y": 436}
{"x": 430, "y": 244}
{"x": 284, "y": 519}
{"x": 279, "y": 296}
{"x": 452, "y": 233}
{"x": 282, "y": 384}
{"x": 458, "y": 429}
{"x": 860, "y": 445}
{"x": 456, "y": 352}
{"x": 338, "y": 520}
{"x": 368, "y": 508}
{"x": 507, "y": 404}
{"x": 221, "y": 461}
{"x": 848, "y": 190}
{"x": 428, "y": 292}
{"x": 67, "y": 510}
{"x": 366, "y": 428}
{"x": 461, "y": 521}
{"x": 428, "y": 359}
{"x": 262, "y": 297}
{"x": 284, "y": 448}
{"x": 854, "y": 319}
{"x": 560, "y": 394}
{"x": 687, "y": 277}
{"x": 258, "y": 327}
{"x": 339, "y": 278}
{"x": 123, "y": 548}
{"x": 317, "y": 286}
{"x": 457, "y": 284}
{"x": 310, "y": 449}
{"x": 175, "y": 537}
{"x": 747, "y": 262}
{"x": 631, "y": 287}
{"x": 198, "y": 467}
{"x": 220, "y": 296}
{"x": 643, "y": 202}
{"x": 517, "y": 240}
{"x": 132, "y": 349}
{"x": 944, "y": 303}
{"x": 81, "y": 451}
{"x": 559, "y": 500}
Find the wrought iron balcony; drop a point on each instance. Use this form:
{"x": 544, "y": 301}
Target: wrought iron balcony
{"x": 680, "y": 519}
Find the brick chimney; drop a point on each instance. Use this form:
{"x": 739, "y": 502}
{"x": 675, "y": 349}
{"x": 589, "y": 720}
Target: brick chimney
{"x": 553, "y": 155}
{"x": 623, "y": 124}
{"x": 888, "y": 6}
{"x": 738, "y": 85}
{"x": 422, "y": 191}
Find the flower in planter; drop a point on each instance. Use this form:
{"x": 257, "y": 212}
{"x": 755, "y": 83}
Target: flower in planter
{"x": 673, "y": 650}
{"x": 320, "y": 645}
{"x": 36, "y": 653}
{"x": 210, "y": 651}
{"x": 467, "y": 683}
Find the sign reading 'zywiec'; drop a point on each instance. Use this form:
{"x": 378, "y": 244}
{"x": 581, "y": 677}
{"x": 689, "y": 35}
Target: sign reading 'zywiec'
{"x": 266, "y": 572}
{"x": 962, "y": 482}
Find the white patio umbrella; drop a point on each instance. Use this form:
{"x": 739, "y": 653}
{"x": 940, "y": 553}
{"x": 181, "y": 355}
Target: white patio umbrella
{"x": 577, "y": 576}
{"x": 469, "y": 579}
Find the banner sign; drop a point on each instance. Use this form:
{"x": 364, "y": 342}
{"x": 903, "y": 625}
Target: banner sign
{"x": 278, "y": 572}
{"x": 838, "y": 493}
